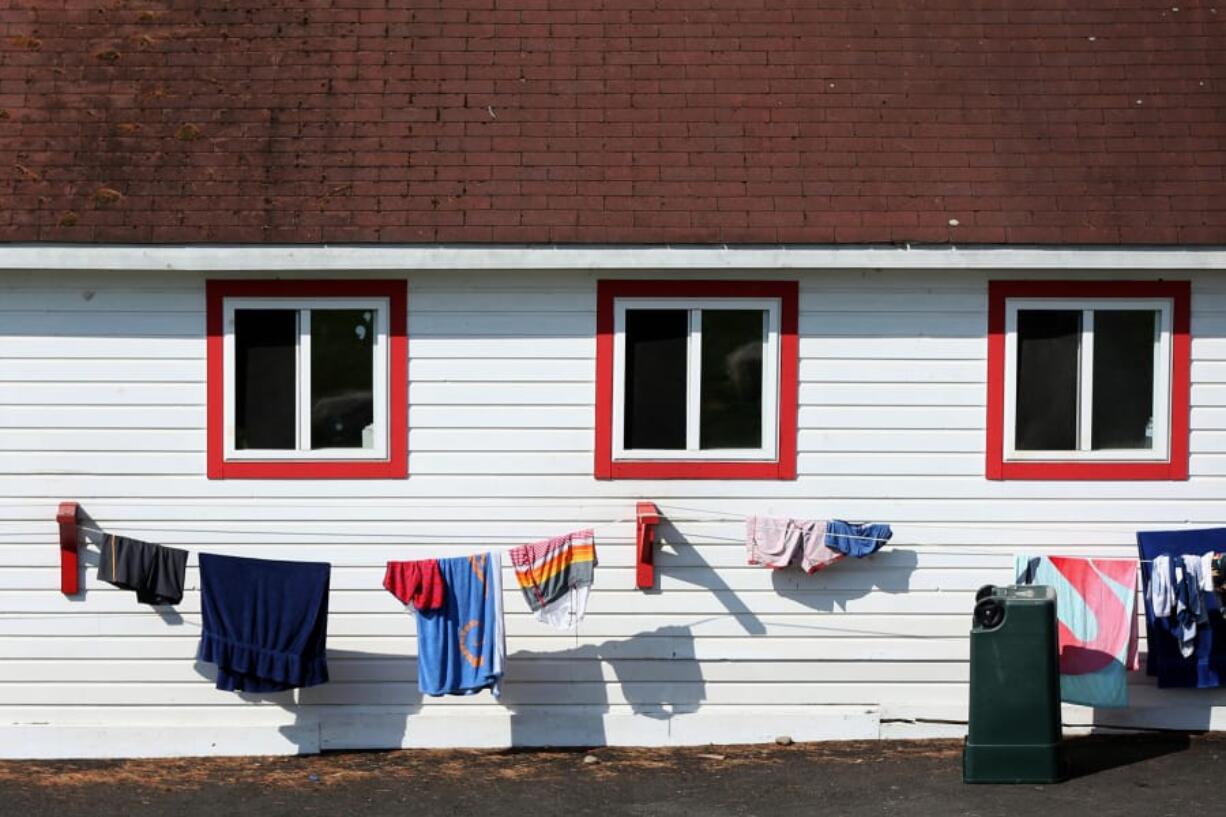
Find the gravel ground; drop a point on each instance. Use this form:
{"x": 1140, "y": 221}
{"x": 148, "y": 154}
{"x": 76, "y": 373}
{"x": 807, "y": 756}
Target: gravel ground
{"x": 1151, "y": 775}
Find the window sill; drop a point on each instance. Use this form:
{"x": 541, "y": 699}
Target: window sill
{"x": 695, "y": 469}
{"x": 298, "y": 469}
{"x": 1107, "y": 471}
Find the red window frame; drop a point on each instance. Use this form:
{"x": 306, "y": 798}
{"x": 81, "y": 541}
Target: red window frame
{"x": 396, "y": 466}
{"x": 1176, "y": 466}
{"x": 783, "y": 466}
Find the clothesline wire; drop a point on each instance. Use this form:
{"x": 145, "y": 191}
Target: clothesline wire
{"x": 435, "y": 539}
{"x": 708, "y": 515}
{"x": 424, "y": 537}
{"x": 711, "y": 516}
{"x": 725, "y": 516}
{"x": 440, "y": 537}
{"x": 420, "y": 536}
{"x": 429, "y": 537}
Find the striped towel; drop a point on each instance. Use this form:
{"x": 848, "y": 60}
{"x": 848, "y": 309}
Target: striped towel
{"x": 556, "y": 576}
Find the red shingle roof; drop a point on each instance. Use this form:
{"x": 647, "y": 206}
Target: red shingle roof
{"x": 736, "y": 121}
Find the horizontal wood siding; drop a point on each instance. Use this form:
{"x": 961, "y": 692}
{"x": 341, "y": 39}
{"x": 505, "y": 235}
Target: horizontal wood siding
{"x": 102, "y": 401}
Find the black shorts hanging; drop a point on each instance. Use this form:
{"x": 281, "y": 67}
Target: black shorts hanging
{"x": 155, "y": 572}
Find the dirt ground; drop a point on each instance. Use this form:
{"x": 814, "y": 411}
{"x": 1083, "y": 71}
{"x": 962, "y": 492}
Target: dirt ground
{"x": 1150, "y": 775}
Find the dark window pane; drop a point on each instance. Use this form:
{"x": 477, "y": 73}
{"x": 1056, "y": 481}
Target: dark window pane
{"x": 342, "y": 378}
{"x": 1123, "y": 378}
{"x": 656, "y": 342}
{"x": 1047, "y": 378}
{"x": 731, "y": 410}
{"x": 265, "y": 394}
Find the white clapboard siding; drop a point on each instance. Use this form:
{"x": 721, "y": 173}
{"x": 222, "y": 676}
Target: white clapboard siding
{"x": 884, "y": 348}
{"x": 88, "y": 297}
{"x": 102, "y": 380}
{"x": 868, "y": 392}
{"x": 500, "y": 417}
{"x": 528, "y": 646}
{"x": 101, "y": 348}
{"x": 659, "y": 697}
{"x": 610, "y": 627}
{"x": 1208, "y": 418}
{"x": 890, "y": 440}
{"x": 1208, "y": 394}
{"x": 532, "y": 669}
{"x": 875, "y": 419}
{"x": 92, "y": 370}
{"x": 822, "y": 370}
{"x": 712, "y": 602}
{"x": 137, "y": 323}
{"x": 542, "y": 392}
{"x": 921, "y": 324}
{"x": 500, "y": 439}
{"x": 80, "y": 417}
{"x": 518, "y": 348}
{"x": 75, "y": 440}
{"x": 909, "y": 501}
{"x": 503, "y": 370}
{"x": 103, "y": 394}
{"x": 498, "y": 323}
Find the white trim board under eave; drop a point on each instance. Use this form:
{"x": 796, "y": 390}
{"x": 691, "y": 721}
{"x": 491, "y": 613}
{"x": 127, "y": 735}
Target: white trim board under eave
{"x": 366, "y": 258}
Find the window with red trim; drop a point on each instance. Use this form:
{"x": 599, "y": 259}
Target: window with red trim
{"x": 307, "y": 379}
{"x": 1088, "y": 380}
{"x": 696, "y": 379}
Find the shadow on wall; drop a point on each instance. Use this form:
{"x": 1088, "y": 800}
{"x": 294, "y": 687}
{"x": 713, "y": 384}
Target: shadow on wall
{"x": 564, "y": 696}
{"x": 89, "y": 551}
{"x": 829, "y": 590}
{"x": 371, "y": 698}
{"x": 385, "y": 685}
{"x": 657, "y": 673}
{"x": 1151, "y": 707}
{"x": 702, "y": 574}
{"x": 556, "y": 697}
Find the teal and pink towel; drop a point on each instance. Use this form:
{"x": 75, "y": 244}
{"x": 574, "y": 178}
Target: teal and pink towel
{"x": 1096, "y": 604}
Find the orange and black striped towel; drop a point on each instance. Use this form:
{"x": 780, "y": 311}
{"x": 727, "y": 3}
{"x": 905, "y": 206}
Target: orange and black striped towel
{"x": 556, "y": 576}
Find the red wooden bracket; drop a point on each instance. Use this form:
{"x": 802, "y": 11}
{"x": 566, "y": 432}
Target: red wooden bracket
{"x": 647, "y": 516}
{"x": 70, "y": 576}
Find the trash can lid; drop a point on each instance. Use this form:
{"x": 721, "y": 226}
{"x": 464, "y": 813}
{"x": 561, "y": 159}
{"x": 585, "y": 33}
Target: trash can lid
{"x": 1029, "y": 592}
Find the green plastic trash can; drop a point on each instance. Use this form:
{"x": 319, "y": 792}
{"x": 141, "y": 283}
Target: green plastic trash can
{"x": 1013, "y": 727}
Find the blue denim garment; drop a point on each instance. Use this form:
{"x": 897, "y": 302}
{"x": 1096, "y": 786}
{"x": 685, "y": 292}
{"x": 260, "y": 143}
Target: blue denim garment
{"x": 859, "y": 540}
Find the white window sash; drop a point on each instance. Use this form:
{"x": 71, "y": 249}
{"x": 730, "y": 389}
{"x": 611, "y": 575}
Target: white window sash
{"x": 770, "y": 380}
{"x": 380, "y": 308}
{"x": 1085, "y": 407}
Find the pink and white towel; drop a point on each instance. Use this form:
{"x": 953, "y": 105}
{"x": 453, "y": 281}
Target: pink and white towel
{"x": 777, "y": 542}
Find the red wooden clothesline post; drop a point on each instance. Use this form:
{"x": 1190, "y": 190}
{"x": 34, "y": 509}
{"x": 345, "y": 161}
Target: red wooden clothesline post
{"x": 647, "y": 516}
{"x": 70, "y": 576}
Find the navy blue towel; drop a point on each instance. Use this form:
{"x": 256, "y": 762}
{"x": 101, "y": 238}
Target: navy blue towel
{"x": 1206, "y": 667}
{"x": 265, "y": 622}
